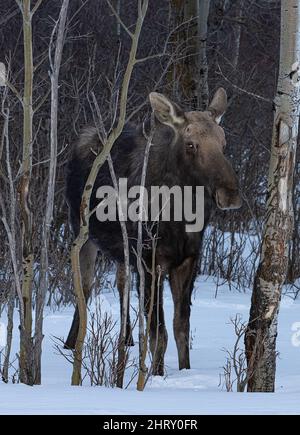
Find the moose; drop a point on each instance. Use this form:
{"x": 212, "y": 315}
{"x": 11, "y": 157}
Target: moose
{"x": 187, "y": 149}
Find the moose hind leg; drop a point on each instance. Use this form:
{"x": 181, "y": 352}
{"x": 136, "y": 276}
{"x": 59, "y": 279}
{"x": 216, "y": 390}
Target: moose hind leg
{"x": 87, "y": 261}
{"x": 120, "y": 278}
{"x": 181, "y": 281}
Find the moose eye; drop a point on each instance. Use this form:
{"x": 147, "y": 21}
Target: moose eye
{"x": 191, "y": 146}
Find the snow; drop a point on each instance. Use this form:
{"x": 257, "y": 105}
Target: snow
{"x": 195, "y": 391}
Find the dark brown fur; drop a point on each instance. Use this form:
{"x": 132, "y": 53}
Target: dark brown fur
{"x": 187, "y": 150}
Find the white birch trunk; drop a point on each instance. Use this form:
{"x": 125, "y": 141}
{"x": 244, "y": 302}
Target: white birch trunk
{"x": 143, "y": 335}
{"x": 26, "y": 372}
{"x": 261, "y": 334}
{"x": 41, "y": 295}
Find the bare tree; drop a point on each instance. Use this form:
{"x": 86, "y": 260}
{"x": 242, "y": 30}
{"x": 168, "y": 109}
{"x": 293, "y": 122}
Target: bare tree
{"x": 122, "y": 351}
{"x": 8, "y": 218}
{"x": 26, "y": 348}
{"x": 44, "y": 265}
{"x": 242, "y": 52}
{"x": 85, "y": 202}
{"x": 235, "y": 369}
{"x": 271, "y": 274}
{"x": 100, "y": 362}
{"x": 143, "y": 336}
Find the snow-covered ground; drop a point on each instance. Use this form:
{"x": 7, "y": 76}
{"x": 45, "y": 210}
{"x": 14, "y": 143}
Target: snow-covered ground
{"x": 195, "y": 391}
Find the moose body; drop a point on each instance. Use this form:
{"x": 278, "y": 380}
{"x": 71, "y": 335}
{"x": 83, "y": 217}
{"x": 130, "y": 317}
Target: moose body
{"x": 186, "y": 150}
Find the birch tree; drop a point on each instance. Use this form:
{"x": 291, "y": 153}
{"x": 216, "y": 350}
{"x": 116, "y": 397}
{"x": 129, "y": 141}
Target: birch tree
{"x": 55, "y": 63}
{"x": 261, "y": 333}
{"x": 26, "y": 352}
{"x": 8, "y": 218}
{"x": 31, "y": 345}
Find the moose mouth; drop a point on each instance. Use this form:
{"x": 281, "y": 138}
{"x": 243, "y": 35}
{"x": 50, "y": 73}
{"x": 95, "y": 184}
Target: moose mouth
{"x": 228, "y": 199}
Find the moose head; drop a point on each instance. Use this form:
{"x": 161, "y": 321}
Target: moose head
{"x": 201, "y": 141}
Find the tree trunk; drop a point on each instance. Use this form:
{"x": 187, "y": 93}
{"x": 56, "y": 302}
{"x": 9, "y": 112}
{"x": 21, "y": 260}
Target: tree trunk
{"x": 122, "y": 351}
{"x": 9, "y": 330}
{"x": 143, "y": 335}
{"x": 41, "y": 294}
{"x": 237, "y": 30}
{"x": 190, "y": 71}
{"x": 8, "y": 219}
{"x": 202, "y": 67}
{"x": 26, "y": 366}
{"x": 260, "y": 339}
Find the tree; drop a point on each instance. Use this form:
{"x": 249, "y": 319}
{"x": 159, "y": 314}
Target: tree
{"x": 55, "y": 63}
{"x": 191, "y": 69}
{"x": 202, "y": 73}
{"x": 22, "y": 192}
{"x": 26, "y": 349}
{"x": 85, "y": 200}
{"x": 260, "y": 339}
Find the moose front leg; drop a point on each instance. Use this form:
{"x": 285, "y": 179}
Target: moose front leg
{"x": 158, "y": 332}
{"x": 182, "y": 281}
{"x": 120, "y": 278}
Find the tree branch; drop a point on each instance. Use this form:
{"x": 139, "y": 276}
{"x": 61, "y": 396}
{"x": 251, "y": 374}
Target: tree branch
{"x": 119, "y": 19}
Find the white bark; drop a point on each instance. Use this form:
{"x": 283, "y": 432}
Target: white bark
{"x": 271, "y": 274}
{"x": 54, "y": 76}
{"x": 26, "y": 366}
{"x": 127, "y": 286}
{"x": 237, "y": 30}
{"x": 8, "y": 219}
{"x": 143, "y": 336}
{"x": 2, "y": 74}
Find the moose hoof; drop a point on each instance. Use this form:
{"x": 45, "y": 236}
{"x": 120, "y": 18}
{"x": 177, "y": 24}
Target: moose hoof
{"x": 158, "y": 371}
{"x": 186, "y": 366}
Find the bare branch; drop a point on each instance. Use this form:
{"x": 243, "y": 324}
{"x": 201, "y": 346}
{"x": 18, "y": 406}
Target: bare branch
{"x": 119, "y": 19}
{"x": 36, "y": 6}
{"x": 244, "y": 91}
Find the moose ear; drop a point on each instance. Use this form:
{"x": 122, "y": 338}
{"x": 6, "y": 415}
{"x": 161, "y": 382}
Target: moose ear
{"x": 218, "y": 105}
{"x": 165, "y": 111}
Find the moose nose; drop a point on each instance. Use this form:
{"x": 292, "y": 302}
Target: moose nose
{"x": 227, "y": 199}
